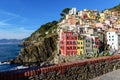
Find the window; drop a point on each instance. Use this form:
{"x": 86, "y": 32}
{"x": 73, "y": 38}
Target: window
{"x": 67, "y": 47}
{"x": 75, "y": 37}
{"x": 87, "y": 45}
{"x": 74, "y": 42}
{"x": 80, "y": 52}
{"x": 93, "y": 42}
{"x": 78, "y": 42}
{"x": 78, "y": 47}
{"x": 112, "y": 43}
{"x": 109, "y": 39}
{"x": 112, "y": 39}
{"x": 74, "y": 47}
{"x": 109, "y": 36}
{"x": 81, "y": 42}
{"x": 89, "y": 41}
{"x": 81, "y": 47}
{"x": 67, "y": 42}
{"x": 91, "y": 34}
{"x": 112, "y": 36}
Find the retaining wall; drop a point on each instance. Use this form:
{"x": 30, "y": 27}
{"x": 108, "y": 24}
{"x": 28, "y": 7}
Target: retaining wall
{"x": 76, "y": 70}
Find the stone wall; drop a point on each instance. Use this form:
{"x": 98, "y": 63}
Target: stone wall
{"x": 79, "y": 70}
{"x": 76, "y": 70}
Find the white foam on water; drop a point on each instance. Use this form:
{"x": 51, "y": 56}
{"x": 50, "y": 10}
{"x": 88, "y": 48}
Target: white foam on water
{"x": 21, "y": 67}
{"x": 2, "y": 63}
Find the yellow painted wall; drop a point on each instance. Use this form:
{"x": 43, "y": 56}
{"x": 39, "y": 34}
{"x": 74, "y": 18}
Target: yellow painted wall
{"x": 80, "y": 46}
{"x": 118, "y": 21}
{"x": 101, "y": 19}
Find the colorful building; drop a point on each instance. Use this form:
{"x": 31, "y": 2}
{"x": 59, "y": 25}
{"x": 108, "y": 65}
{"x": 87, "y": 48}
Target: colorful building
{"x": 88, "y": 46}
{"x": 80, "y": 45}
{"x": 97, "y": 43}
{"x": 113, "y": 39}
{"x": 68, "y": 44}
{"x": 73, "y": 11}
{"x": 93, "y": 26}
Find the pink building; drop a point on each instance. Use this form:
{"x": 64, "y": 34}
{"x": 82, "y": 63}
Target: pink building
{"x": 100, "y": 25}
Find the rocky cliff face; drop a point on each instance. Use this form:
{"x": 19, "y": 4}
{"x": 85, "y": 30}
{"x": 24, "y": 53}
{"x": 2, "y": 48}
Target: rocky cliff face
{"x": 41, "y": 46}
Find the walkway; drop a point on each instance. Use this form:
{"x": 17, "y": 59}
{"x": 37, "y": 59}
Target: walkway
{"x": 114, "y": 75}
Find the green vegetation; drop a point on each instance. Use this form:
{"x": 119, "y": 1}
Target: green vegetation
{"x": 63, "y": 13}
{"x": 116, "y": 8}
{"x": 43, "y": 31}
{"x": 94, "y": 54}
{"x": 46, "y": 27}
{"x": 106, "y": 53}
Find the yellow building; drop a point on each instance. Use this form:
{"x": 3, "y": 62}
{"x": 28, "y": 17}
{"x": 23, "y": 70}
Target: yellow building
{"x": 101, "y": 20}
{"x": 91, "y": 15}
{"x": 118, "y": 22}
{"x": 102, "y": 17}
{"x": 80, "y": 44}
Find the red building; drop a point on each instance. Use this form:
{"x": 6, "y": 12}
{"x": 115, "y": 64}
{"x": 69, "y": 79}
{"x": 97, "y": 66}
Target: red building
{"x": 97, "y": 42}
{"x": 68, "y": 44}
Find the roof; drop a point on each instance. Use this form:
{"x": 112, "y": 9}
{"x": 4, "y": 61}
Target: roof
{"x": 111, "y": 30}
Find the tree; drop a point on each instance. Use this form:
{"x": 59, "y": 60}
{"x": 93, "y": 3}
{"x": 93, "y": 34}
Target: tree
{"x": 64, "y": 12}
{"x": 98, "y": 16}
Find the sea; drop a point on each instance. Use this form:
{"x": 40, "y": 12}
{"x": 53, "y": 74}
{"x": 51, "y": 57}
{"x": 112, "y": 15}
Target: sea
{"x": 8, "y": 51}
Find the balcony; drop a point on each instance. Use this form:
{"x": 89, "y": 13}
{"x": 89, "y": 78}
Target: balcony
{"x": 71, "y": 44}
{"x": 71, "y": 48}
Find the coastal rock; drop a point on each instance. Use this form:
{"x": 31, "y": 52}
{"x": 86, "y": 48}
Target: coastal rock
{"x": 39, "y": 47}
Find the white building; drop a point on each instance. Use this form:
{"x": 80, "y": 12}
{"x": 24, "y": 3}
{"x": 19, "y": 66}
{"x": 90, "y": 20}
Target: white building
{"x": 80, "y": 13}
{"x": 113, "y": 39}
{"x": 73, "y": 11}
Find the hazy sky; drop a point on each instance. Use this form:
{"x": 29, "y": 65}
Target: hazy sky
{"x": 19, "y": 18}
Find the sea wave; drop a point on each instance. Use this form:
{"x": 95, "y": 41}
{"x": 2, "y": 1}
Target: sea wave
{"x": 2, "y": 63}
{"x": 21, "y": 67}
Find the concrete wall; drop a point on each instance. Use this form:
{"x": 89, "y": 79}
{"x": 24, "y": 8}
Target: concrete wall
{"x": 77, "y": 70}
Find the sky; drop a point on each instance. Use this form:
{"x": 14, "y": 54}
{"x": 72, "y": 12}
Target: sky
{"x": 19, "y": 18}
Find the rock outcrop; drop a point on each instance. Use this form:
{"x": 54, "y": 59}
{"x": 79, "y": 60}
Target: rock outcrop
{"x": 41, "y": 46}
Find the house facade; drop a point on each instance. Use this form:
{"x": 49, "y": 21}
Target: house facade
{"x": 88, "y": 46}
{"x": 68, "y": 44}
{"x": 85, "y": 31}
{"x": 113, "y": 39}
{"x": 80, "y": 45}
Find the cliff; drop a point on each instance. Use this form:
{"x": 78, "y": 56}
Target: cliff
{"x": 41, "y": 46}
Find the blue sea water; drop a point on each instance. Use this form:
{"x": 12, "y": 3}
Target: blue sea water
{"x": 7, "y": 52}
